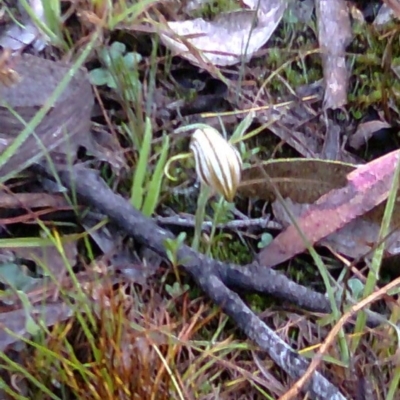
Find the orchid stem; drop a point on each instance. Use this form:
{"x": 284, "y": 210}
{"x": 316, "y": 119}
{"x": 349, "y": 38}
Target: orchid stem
{"x": 204, "y": 195}
{"x": 214, "y": 225}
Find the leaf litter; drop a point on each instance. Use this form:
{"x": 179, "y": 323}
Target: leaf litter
{"x": 229, "y": 39}
{"x": 337, "y": 201}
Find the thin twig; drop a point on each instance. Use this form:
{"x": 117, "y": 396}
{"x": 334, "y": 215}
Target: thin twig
{"x": 189, "y": 222}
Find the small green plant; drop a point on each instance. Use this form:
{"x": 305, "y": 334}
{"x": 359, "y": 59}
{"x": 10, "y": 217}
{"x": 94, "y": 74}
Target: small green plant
{"x": 265, "y": 240}
{"x": 172, "y": 246}
{"x": 356, "y": 287}
{"x": 176, "y": 289}
{"x": 118, "y": 63}
{"x": 146, "y": 186}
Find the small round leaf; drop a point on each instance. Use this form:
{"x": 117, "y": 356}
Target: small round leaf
{"x": 99, "y": 76}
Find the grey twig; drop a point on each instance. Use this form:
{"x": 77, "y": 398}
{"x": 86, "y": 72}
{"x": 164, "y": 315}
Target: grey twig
{"x": 189, "y": 222}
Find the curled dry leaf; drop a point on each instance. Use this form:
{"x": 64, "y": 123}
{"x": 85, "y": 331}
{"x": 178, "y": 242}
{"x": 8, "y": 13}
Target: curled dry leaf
{"x": 229, "y": 39}
{"x": 365, "y": 131}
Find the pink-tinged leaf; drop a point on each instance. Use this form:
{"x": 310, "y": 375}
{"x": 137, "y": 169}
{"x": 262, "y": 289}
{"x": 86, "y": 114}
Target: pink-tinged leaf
{"x": 368, "y": 186}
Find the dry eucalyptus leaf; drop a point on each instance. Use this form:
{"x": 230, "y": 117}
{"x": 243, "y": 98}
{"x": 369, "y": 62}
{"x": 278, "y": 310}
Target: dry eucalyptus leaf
{"x": 296, "y": 122}
{"x": 368, "y": 186}
{"x": 229, "y": 39}
{"x": 13, "y": 323}
{"x": 302, "y": 180}
{"x": 50, "y": 257}
{"x": 354, "y": 240}
{"x": 62, "y": 129}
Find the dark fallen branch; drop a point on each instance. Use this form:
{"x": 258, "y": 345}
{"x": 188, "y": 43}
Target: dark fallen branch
{"x": 212, "y": 276}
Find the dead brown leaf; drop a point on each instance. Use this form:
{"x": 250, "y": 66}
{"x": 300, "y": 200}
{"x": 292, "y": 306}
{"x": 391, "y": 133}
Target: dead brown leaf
{"x": 229, "y": 38}
{"x": 302, "y": 180}
{"x": 296, "y": 122}
{"x": 62, "y": 130}
{"x": 50, "y": 257}
{"x": 368, "y": 186}
{"x": 355, "y": 240}
{"x": 13, "y": 324}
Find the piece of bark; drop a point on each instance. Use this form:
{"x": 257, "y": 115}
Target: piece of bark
{"x": 334, "y": 34}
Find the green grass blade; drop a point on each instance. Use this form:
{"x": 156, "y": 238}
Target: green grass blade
{"x": 374, "y": 272}
{"x": 24, "y": 372}
{"x": 137, "y": 191}
{"x": 52, "y": 25}
{"x": 131, "y": 13}
{"x": 154, "y": 189}
{"x": 242, "y": 127}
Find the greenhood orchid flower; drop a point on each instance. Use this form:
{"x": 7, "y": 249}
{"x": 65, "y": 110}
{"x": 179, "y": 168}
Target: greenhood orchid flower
{"x": 218, "y": 163}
